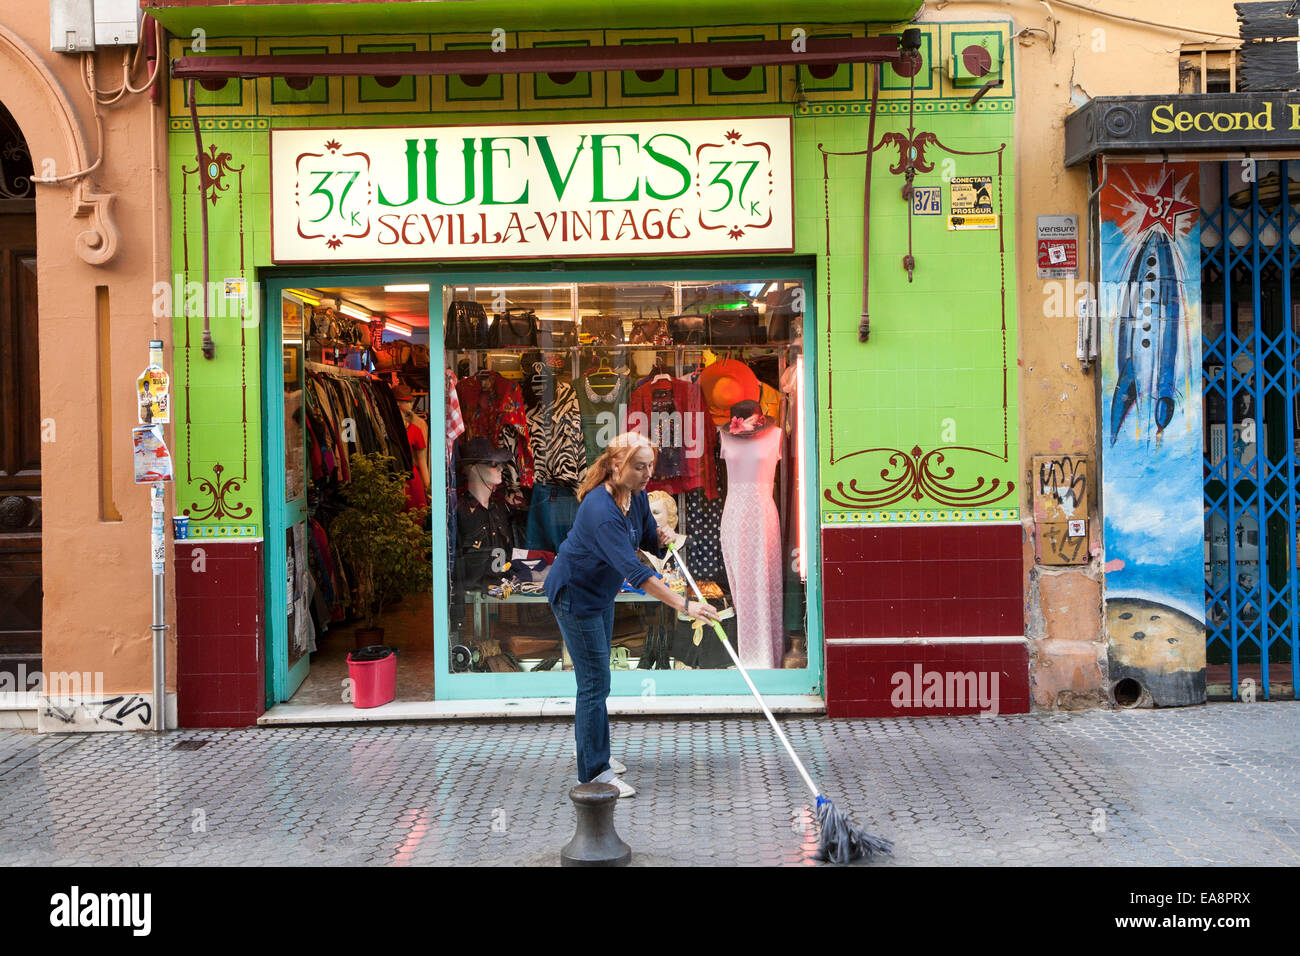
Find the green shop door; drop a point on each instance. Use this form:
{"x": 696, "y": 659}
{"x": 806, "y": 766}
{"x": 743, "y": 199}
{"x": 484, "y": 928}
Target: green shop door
{"x": 289, "y": 626}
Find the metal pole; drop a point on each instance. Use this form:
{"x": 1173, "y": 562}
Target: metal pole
{"x": 159, "y": 627}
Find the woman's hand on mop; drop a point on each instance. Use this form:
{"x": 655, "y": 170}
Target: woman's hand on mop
{"x": 704, "y": 611}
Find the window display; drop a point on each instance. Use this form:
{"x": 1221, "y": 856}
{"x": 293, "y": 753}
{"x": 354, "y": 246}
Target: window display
{"x": 544, "y": 377}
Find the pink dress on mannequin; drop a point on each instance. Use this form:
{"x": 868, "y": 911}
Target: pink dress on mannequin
{"x": 751, "y": 545}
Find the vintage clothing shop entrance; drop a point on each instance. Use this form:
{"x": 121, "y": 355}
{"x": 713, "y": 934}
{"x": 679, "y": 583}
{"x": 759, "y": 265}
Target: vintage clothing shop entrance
{"x": 425, "y": 372}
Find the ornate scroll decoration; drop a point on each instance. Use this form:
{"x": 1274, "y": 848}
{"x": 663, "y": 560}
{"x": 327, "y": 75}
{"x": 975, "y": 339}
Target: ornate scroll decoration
{"x": 735, "y": 230}
{"x": 15, "y": 165}
{"x": 211, "y": 169}
{"x": 333, "y": 147}
{"x": 919, "y": 475}
{"x": 57, "y": 130}
{"x": 911, "y": 151}
{"x": 218, "y": 507}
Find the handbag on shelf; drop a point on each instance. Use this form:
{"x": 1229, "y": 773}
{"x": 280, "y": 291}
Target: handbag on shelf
{"x": 392, "y": 356}
{"x": 782, "y": 319}
{"x": 736, "y": 327}
{"x": 651, "y": 332}
{"x": 466, "y": 326}
{"x": 556, "y": 334}
{"x": 602, "y": 330}
{"x": 513, "y": 327}
{"x": 687, "y": 328}
{"x": 414, "y": 356}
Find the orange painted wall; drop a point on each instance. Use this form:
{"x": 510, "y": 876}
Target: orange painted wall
{"x": 97, "y": 577}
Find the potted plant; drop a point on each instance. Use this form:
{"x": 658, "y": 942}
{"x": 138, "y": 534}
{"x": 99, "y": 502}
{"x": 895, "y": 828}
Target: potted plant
{"x": 381, "y": 541}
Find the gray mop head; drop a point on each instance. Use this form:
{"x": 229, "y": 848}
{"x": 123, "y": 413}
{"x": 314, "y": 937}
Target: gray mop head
{"x": 842, "y": 841}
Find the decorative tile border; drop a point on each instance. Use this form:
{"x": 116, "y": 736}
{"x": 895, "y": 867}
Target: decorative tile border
{"x": 221, "y": 123}
{"x": 223, "y": 531}
{"x": 895, "y": 106}
{"x": 922, "y": 516}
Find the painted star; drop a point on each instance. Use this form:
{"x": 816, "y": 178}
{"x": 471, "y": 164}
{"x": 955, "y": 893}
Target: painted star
{"x": 1162, "y": 208}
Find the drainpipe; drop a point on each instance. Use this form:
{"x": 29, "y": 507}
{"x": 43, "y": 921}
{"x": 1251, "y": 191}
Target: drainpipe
{"x": 864, "y": 327}
{"x": 208, "y": 345}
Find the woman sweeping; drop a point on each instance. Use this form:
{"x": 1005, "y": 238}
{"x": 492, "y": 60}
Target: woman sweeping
{"x": 595, "y": 559}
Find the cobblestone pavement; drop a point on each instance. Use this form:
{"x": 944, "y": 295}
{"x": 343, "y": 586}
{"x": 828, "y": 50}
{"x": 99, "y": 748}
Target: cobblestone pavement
{"x": 1215, "y": 784}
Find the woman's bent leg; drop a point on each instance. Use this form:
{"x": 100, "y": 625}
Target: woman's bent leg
{"x": 588, "y": 641}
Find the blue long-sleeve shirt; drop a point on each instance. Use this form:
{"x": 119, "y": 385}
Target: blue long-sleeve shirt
{"x": 599, "y": 553}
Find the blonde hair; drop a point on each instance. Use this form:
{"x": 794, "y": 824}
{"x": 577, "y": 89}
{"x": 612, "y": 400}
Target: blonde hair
{"x": 613, "y": 460}
{"x": 670, "y": 506}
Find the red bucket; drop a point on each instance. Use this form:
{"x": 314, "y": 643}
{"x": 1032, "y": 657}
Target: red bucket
{"x": 373, "y": 671}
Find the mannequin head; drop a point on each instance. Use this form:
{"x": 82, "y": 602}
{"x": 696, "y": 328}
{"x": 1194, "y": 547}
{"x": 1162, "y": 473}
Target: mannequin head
{"x": 664, "y": 508}
{"x": 482, "y": 478}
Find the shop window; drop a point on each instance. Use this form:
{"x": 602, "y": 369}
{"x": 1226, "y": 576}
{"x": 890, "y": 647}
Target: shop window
{"x": 545, "y": 375}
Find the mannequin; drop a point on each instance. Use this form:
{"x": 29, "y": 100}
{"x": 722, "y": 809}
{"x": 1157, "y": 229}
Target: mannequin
{"x": 664, "y": 509}
{"x": 483, "y": 532}
{"x": 481, "y": 479}
{"x": 751, "y": 533}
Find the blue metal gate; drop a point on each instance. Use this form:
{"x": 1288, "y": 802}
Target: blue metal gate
{"x": 1250, "y": 294}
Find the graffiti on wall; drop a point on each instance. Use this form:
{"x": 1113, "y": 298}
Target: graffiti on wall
{"x": 1149, "y": 300}
{"x": 1060, "y": 488}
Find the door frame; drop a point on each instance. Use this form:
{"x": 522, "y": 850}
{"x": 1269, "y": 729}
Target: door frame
{"x": 476, "y": 686}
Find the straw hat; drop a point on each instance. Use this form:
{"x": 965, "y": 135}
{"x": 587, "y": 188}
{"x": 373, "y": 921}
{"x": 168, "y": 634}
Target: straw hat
{"x": 724, "y": 384}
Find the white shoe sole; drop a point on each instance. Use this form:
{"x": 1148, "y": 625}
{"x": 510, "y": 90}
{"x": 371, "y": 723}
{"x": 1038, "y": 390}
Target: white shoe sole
{"x": 625, "y": 789}
{"x": 615, "y": 765}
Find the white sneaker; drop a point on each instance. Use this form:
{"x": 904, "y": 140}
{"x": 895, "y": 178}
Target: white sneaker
{"x": 624, "y": 789}
{"x": 614, "y": 764}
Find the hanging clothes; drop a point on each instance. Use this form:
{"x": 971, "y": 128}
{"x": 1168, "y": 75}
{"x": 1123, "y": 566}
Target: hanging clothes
{"x": 604, "y": 412}
{"x": 555, "y": 431}
{"x": 455, "y": 423}
{"x": 674, "y": 416}
{"x": 492, "y": 407}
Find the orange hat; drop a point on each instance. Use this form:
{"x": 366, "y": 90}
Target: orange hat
{"x": 724, "y": 384}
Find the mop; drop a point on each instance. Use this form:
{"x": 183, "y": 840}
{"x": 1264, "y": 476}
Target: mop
{"x": 841, "y": 840}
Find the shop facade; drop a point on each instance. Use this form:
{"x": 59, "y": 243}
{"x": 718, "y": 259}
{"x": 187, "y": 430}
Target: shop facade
{"x": 1200, "y": 380}
{"x": 585, "y": 248}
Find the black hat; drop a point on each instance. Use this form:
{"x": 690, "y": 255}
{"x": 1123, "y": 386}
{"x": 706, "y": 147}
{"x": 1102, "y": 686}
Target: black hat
{"x": 479, "y": 450}
{"x": 747, "y": 420}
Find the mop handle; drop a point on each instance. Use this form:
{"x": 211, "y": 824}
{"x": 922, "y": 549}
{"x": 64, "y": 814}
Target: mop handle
{"x": 717, "y": 629}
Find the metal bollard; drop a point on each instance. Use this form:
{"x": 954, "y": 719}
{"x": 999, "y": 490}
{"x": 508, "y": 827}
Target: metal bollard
{"x": 595, "y": 843}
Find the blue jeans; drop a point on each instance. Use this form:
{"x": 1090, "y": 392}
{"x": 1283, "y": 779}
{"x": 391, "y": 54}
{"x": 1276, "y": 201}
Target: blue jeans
{"x": 550, "y": 516}
{"x": 588, "y": 640}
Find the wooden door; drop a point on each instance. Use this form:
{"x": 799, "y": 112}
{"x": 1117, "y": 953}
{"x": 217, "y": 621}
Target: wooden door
{"x": 20, "y": 446}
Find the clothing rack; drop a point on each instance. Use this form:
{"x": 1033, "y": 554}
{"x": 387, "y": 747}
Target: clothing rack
{"x": 325, "y": 369}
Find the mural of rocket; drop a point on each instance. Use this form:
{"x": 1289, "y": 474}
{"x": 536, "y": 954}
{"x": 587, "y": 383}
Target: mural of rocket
{"x": 1150, "y": 320}
{"x": 1151, "y": 412}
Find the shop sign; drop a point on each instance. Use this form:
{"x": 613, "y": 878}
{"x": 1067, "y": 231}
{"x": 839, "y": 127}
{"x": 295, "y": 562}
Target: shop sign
{"x": 1149, "y": 124}
{"x": 970, "y": 203}
{"x": 530, "y": 191}
{"x": 1058, "y": 247}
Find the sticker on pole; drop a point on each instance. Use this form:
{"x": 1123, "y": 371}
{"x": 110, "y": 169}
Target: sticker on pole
{"x": 153, "y": 462}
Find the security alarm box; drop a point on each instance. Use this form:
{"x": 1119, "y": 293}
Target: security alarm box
{"x": 117, "y": 22}
{"x": 72, "y": 26}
